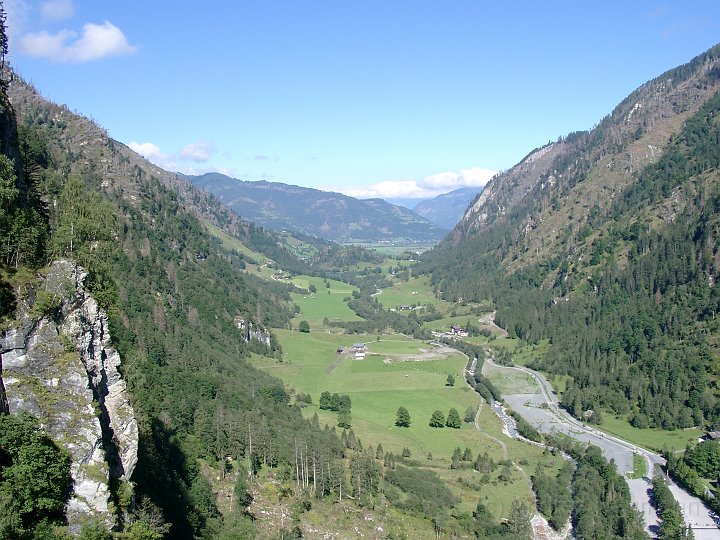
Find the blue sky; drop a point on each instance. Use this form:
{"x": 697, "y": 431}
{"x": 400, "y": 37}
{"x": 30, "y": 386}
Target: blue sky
{"x": 371, "y": 98}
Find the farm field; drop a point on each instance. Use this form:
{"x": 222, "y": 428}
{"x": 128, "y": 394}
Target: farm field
{"x": 650, "y": 438}
{"x": 387, "y": 379}
{"x": 326, "y": 302}
{"x": 415, "y": 291}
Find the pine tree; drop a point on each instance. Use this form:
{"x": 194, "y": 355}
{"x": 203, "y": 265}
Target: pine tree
{"x": 518, "y": 522}
{"x": 484, "y": 463}
{"x": 352, "y": 442}
{"x": 243, "y": 499}
{"x": 437, "y": 419}
{"x": 325, "y": 402}
{"x": 402, "y": 417}
{"x": 344, "y": 419}
{"x": 453, "y": 419}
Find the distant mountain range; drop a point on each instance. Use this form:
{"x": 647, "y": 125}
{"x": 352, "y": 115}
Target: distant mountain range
{"x": 447, "y": 209}
{"x": 329, "y": 215}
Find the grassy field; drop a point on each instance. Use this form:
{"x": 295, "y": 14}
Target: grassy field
{"x": 389, "y": 378}
{"x": 326, "y": 302}
{"x": 522, "y": 356}
{"x": 640, "y": 468}
{"x": 652, "y": 439}
{"x": 258, "y": 268}
{"x": 415, "y": 291}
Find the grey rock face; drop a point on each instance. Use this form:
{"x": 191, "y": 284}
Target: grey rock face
{"x": 63, "y": 370}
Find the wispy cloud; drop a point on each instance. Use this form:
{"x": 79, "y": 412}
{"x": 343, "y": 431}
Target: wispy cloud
{"x": 18, "y": 12}
{"x": 656, "y": 12}
{"x": 147, "y": 150}
{"x": 263, "y": 157}
{"x": 57, "y": 10}
{"x": 183, "y": 161}
{"x": 430, "y": 186}
{"x": 96, "y": 41}
{"x": 198, "y": 152}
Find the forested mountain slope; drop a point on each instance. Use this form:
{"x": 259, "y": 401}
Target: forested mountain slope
{"x": 324, "y": 214}
{"x": 183, "y": 314}
{"x": 447, "y": 209}
{"x": 606, "y": 243}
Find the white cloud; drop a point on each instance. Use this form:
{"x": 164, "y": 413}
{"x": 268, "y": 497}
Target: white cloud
{"x": 428, "y": 187}
{"x": 147, "y": 150}
{"x": 199, "y": 151}
{"x": 448, "y": 181}
{"x": 57, "y": 10}
{"x": 95, "y": 42}
{"x": 408, "y": 189}
{"x": 184, "y": 160}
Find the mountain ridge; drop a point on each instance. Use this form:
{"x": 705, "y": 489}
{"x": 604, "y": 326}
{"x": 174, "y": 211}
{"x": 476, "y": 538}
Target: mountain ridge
{"x": 447, "y": 209}
{"x": 334, "y": 216}
{"x": 605, "y": 244}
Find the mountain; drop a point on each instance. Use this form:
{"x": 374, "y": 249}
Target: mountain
{"x": 319, "y": 213}
{"x": 106, "y": 262}
{"x": 447, "y": 210}
{"x": 407, "y": 203}
{"x": 129, "y": 336}
{"x": 606, "y": 244}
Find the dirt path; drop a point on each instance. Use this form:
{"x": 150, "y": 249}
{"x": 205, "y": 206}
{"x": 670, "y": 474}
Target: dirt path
{"x": 489, "y": 322}
{"x": 540, "y": 526}
{"x": 336, "y": 363}
{"x": 424, "y": 355}
{"x": 495, "y": 439}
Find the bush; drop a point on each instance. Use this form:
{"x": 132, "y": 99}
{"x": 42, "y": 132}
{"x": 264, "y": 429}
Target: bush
{"x": 45, "y": 305}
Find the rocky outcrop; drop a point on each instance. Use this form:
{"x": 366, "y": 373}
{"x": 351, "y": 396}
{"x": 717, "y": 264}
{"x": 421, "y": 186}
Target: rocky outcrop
{"x": 59, "y": 366}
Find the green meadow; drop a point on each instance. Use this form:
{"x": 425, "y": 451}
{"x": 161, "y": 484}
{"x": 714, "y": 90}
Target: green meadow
{"x": 389, "y": 378}
{"x": 415, "y": 291}
{"x": 230, "y": 243}
{"x": 326, "y": 302}
{"x": 650, "y": 438}
{"x": 400, "y": 371}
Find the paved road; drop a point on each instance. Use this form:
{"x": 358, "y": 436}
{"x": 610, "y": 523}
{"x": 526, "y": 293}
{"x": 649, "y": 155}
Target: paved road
{"x": 696, "y": 514}
{"x": 543, "y": 411}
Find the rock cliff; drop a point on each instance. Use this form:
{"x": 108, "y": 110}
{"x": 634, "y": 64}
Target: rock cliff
{"x": 57, "y": 364}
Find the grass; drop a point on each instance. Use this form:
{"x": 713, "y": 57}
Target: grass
{"x": 515, "y": 382}
{"x": 461, "y": 317}
{"x": 377, "y": 388}
{"x": 330, "y": 303}
{"x": 650, "y": 438}
{"x": 508, "y": 343}
{"x": 389, "y": 378}
{"x": 523, "y": 355}
{"x": 415, "y": 291}
{"x": 639, "y": 467}
{"x": 230, "y": 243}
